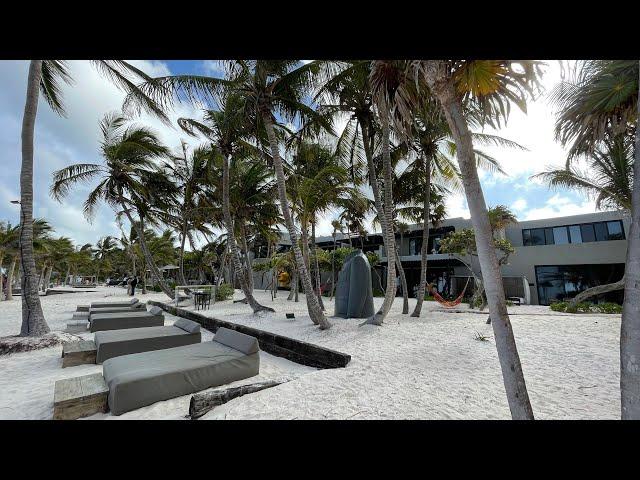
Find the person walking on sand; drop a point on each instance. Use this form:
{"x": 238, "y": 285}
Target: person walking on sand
{"x": 134, "y": 282}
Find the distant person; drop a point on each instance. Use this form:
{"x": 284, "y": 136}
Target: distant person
{"x": 134, "y": 282}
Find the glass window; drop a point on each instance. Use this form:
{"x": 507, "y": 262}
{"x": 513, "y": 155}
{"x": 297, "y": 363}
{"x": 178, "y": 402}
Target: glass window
{"x": 601, "y": 232}
{"x": 615, "y": 229}
{"x": 588, "y": 233}
{"x": 558, "y": 282}
{"x": 576, "y": 236}
{"x": 537, "y": 236}
{"x": 526, "y": 237}
{"x": 560, "y": 235}
{"x": 548, "y": 236}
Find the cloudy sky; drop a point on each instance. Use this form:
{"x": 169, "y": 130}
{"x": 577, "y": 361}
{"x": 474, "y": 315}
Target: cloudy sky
{"x": 63, "y": 141}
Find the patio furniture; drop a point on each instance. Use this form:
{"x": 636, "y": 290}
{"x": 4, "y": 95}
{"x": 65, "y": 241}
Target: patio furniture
{"x": 117, "y": 321}
{"x": 142, "y": 379}
{"x": 202, "y": 299}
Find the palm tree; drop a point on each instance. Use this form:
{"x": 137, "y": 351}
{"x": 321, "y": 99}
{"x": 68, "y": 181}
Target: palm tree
{"x": 264, "y": 87}
{"x": 479, "y": 92}
{"x": 45, "y": 76}
{"x": 104, "y": 247}
{"x": 599, "y": 102}
{"x": 191, "y": 173}
{"x": 227, "y": 130}
{"x": 128, "y": 179}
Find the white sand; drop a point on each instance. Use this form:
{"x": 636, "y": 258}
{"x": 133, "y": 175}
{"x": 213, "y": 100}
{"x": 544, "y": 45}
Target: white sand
{"x": 427, "y": 368}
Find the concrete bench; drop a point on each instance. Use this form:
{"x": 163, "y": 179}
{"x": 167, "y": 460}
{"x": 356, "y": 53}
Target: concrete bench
{"x": 80, "y": 397}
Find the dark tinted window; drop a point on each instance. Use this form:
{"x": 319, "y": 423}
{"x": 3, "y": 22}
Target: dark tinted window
{"x": 526, "y": 237}
{"x": 548, "y": 235}
{"x": 601, "y": 232}
{"x": 537, "y": 236}
{"x": 560, "y": 282}
{"x": 560, "y": 235}
{"x": 588, "y": 234}
{"x": 615, "y": 230}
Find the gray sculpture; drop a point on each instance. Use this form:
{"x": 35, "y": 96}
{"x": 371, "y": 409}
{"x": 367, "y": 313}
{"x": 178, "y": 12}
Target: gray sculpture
{"x": 354, "y": 296}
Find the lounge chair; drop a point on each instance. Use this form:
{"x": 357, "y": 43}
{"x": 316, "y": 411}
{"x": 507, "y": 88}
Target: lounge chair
{"x": 134, "y": 319}
{"x": 115, "y": 343}
{"x": 128, "y": 303}
{"x": 136, "y": 307}
{"x": 142, "y": 379}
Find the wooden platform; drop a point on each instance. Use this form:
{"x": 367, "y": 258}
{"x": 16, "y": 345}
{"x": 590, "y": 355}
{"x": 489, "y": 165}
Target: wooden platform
{"x": 78, "y": 353}
{"x": 82, "y": 308}
{"x": 80, "y": 397}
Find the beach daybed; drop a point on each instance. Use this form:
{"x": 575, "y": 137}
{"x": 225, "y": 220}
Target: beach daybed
{"x": 133, "y": 319}
{"x": 115, "y": 343}
{"x": 128, "y": 303}
{"x": 142, "y": 379}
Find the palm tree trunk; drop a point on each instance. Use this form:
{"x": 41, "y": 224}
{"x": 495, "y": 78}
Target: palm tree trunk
{"x": 333, "y": 266}
{"x": 181, "y": 253}
{"x": 2, "y": 286}
{"x": 313, "y": 306}
{"x": 147, "y": 254}
{"x": 47, "y": 278}
{"x": 10, "y": 275}
{"x": 425, "y": 241}
{"x": 630, "y": 327}
{"x": 316, "y": 263}
{"x": 231, "y": 242}
{"x": 66, "y": 278}
{"x": 144, "y": 281}
{"x": 385, "y": 211}
{"x": 403, "y": 283}
{"x": 247, "y": 260}
{"x": 512, "y": 373}
{"x": 33, "y": 321}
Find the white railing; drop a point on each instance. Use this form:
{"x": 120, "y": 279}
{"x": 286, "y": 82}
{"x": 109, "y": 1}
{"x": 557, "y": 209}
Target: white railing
{"x": 210, "y": 288}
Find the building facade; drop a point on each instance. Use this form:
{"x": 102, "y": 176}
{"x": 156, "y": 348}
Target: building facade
{"x": 554, "y": 258}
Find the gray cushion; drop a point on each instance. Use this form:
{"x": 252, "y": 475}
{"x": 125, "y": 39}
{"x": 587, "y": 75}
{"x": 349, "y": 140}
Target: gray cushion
{"x": 134, "y": 300}
{"x": 187, "y": 325}
{"x": 115, "y": 343}
{"x": 144, "y": 378}
{"x": 117, "y": 321}
{"x": 155, "y": 310}
{"x": 95, "y": 310}
{"x": 239, "y": 341}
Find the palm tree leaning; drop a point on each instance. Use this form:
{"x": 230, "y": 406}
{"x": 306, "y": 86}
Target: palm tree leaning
{"x": 264, "y": 87}
{"x": 45, "y": 76}
{"x": 227, "y": 129}
{"x": 609, "y": 179}
{"x": 597, "y": 102}
{"x": 125, "y": 178}
{"x": 483, "y": 90}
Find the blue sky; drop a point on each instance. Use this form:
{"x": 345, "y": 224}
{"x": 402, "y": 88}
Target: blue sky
{"x": 63, "y": 141}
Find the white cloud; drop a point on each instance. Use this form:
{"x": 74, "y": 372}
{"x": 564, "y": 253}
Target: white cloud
{"x": 519, "y": 205}
{"x": 560, "y": 206}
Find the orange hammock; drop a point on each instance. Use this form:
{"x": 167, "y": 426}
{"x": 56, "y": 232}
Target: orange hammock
{"x": 449, "y": 303}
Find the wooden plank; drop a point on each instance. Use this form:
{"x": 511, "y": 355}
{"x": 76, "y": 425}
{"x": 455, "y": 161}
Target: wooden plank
{"x": 78, "y": 353}
{"x": 295, "y": 350}
{"x": 80, "y": 397}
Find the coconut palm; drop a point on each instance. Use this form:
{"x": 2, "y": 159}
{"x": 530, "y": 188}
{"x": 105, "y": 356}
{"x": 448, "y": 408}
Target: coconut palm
{"x": 598, "y": 103}
{"x": 227, "y": 128}
{"x": 479, "y": 92}
{"x": 46, "y": 77}
{"x": 191, "y": 174}
{"x": 128, "y": 178}
{"x": 105, "y": 246}
{"x": 265, "y": 87}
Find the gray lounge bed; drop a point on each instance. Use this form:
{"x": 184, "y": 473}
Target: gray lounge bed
{"x": 138, "y": 307}
{"x": 117, "y": 321}
{"x": 115, "y": 343}
{"x": 142, "y": 379}
{"x": 128, "y": 303}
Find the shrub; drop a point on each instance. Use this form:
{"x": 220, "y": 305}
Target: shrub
{"x": 224, "y": 292}
{"x": 586, "y": 307}
{"x": 378, "y": 293}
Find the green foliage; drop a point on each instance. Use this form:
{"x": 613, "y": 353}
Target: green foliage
{"x": 377, "y": 292}
{"x": 224, "y": 292}
{"x": 480, "y": 337}
{"x": 586, "y": 307}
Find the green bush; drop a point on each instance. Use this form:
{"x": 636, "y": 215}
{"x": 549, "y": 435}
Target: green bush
{"x": 586, "y": 307}
{"x": 224, "y": 292}
{"x": 429, "y": 298}
{"x": 378, "y": 293}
